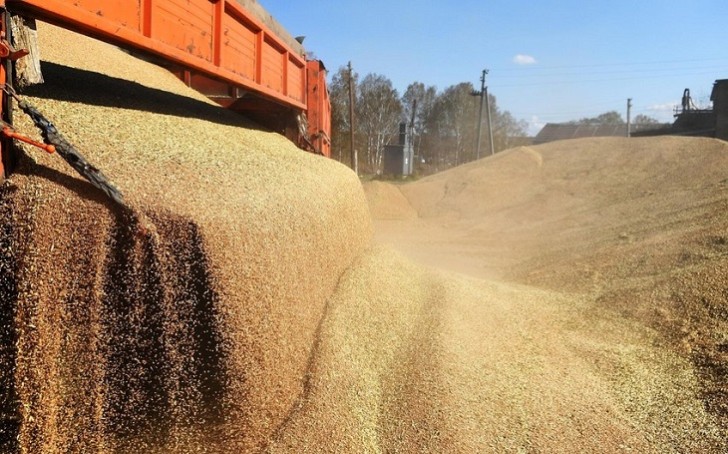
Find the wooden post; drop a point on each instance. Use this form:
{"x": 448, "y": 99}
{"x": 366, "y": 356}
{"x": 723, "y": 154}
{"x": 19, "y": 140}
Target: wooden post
{"x": 480, "y": 113}
{"x": 629, "y": 119}
{"x": 490, "y": 121}
{"x": 25, "y": 36}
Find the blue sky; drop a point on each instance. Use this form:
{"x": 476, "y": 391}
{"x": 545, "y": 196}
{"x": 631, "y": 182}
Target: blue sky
{"x": 549, "y": 61}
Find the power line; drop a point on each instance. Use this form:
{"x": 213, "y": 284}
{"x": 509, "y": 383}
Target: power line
{"x": 602, "y": 65}
{"x": 595, "y": 107}
{"x": 588, "y": 81}
{"x": 599, "y": 105}
{"x": 536, "y": 73}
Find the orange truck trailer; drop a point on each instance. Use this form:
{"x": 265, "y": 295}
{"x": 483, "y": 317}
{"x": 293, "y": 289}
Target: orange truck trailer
{"x": 230, "y": 50}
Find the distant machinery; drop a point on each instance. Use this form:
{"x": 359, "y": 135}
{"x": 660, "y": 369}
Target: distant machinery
{"x": 691, "y": 120}
{"x": 399, "y": 159}
{"x": 687, "y": 101}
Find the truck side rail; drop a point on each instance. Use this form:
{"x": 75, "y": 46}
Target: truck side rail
{"x": 219, "y": 39}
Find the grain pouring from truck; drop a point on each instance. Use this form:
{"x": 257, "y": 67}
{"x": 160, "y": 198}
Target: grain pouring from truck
{"x": 231, "y": 51}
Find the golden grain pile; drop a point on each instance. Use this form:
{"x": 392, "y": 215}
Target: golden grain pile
{"x": 242, "y": 307}
{"x": 195, "y": 330}
{"x": 638, "y": 227}
{"x": 387, "y": 202}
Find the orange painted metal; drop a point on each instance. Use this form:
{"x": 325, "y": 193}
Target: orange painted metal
{"x": 319, "y": 107}
{"x": 9, "y": 133}
{"x": 215, "y": 46}
{"x": 4, "y": 144}
{"x": 217, "y": 38}
{"x": 5, "y": 152}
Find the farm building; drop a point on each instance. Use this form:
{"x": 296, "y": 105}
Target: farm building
{"x": 693, "y": 121}
{"x": 689, "y": 121}
{"x": 719, "y": 96}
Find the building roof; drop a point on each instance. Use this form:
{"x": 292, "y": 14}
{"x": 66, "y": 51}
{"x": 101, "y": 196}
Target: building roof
{"x": 562, "y": 131}
{"x": 718, "y": 84}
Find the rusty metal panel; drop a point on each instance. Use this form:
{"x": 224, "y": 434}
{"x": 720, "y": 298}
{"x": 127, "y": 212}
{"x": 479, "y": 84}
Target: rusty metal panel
{"x": 127, "y": 14}
{"x": 185, "y": 24}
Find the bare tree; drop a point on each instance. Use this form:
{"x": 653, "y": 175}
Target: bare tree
{"x": 643, "y": 119}
{"x": 378, "y": 111}
{"x": 452, "y": 119}
{"x": 339, "y": 96}
{"x": 445, "y": 123}
{"x": 424, "y": 97}
{"x": 507, "y": 131}
{"x": 608, "y": 118}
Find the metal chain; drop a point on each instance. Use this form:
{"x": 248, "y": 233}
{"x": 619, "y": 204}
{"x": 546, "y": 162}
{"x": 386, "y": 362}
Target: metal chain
{"x": 67, "y": 151}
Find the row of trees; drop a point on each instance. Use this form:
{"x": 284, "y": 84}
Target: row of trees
{"x": 444, "y": 126}
{"x": 615, "y": 118}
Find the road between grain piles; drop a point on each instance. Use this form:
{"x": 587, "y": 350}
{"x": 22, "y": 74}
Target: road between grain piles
{"x": 252, "y": 313}
{"x": 627, "y": 241}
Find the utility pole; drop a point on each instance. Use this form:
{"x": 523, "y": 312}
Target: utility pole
{"x": 483, "y": 93}
{"x": 480, "y": 113}
{"x": 411, "y": 132}
{"x": 354, "y": 157}
{"x": 629, "y": 120}
{"x": 490, "y": 123}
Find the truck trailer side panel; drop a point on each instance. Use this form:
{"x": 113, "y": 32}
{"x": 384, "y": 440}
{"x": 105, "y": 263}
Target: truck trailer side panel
{"x": 216, "y": 46}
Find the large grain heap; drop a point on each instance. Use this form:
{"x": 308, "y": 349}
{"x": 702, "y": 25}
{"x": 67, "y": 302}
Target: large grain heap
{"x": 242, "y": 307}
{"x": 190, "y": 327}
{"x": 637, "y": 228}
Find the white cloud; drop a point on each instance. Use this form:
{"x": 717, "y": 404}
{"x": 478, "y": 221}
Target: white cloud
{"x": 664, "y": 107}
{"x": 535, "y": 125}
{"x": 522, "y": 59}
{"x": 663, "y": 112}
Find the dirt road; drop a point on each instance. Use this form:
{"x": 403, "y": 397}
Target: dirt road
{"x": 583, "y": 358}
{"x": 410, "y": 360}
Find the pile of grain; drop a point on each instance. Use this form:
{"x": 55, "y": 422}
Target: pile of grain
{"x": 410, "y": 360}
{"x": 240, "y": 307}
{"x": 387, "y": 202}
{"x": 636, "y": 226}
{"x": 193, "y": 330}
